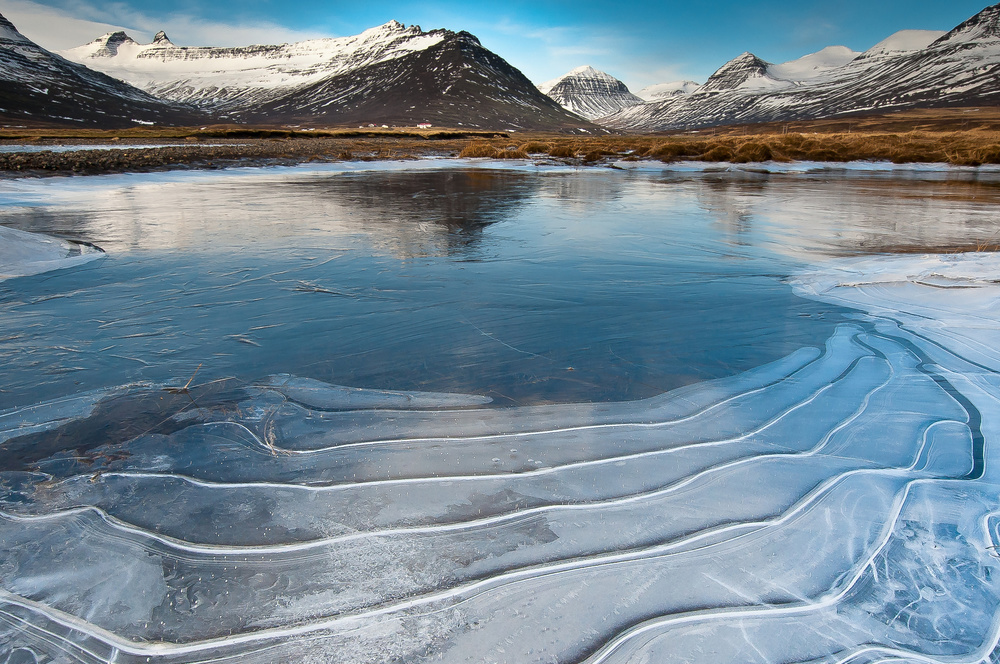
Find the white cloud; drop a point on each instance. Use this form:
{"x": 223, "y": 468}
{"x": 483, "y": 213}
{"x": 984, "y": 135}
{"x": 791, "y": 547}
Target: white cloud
{"x": 79, "y": 22}
{"x": 51, "y": 28}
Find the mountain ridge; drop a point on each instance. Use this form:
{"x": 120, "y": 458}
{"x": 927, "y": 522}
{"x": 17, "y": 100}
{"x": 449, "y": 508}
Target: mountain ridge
{"x": 589, "y": 93}
{"x": 370, "y": 78}
{"x": 960, "y": 67}
{"x": 40, "y": 86}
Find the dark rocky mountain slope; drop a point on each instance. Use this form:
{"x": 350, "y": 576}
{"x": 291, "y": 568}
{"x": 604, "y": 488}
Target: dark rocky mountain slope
{"x": 40, "y": 87}
{"x": 391, "y": 74}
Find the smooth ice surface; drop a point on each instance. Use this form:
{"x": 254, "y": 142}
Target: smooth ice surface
{"x": 801, "y": 478}
{"x": 23, "y": 253}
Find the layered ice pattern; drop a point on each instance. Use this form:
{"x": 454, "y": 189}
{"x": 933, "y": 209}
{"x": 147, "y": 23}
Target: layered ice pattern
{"x": 837, "y": 505}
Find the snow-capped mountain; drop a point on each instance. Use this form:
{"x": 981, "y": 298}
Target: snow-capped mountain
{"x": 589, "y": 93}
{"x": 388, "y": 74}
{"x": 813, "y": 66}
{"x": 667, "y": 90}
{"x": 912, "y": 68}
{"x": 901, "y": 42}
{"x": 39, "y": 86}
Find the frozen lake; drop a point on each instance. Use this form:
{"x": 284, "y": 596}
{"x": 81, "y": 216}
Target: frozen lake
{"x": 468, "y": 413}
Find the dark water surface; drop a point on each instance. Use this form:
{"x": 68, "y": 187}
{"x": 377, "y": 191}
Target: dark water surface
{"x": 527, "y": 287}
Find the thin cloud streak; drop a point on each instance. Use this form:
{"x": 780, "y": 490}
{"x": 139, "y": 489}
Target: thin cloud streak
{"x": 53, "y": 29}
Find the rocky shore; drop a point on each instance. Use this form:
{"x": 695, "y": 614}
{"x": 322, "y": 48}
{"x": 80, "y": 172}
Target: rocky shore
{"x": 89, "y": 159}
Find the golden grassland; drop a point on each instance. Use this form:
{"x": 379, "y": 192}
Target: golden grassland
{"x": 953, "y": 136}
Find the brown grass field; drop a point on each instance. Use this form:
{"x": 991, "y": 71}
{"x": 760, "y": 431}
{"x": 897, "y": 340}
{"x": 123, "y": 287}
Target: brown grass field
{"x": 954, "y": 136}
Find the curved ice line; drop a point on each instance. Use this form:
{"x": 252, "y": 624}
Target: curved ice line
{"x": 481, "y": 476}
{"x": 537, "y": 432}
{"x": 51, "y": 638}
{"x": 210, "y": 549}
{"x": 424, "y": 600}
{"x": 980, "y": 654}
{"x": 902, "y": 326}
{"x": 146, "y": 648}
{"x": 605, "y": 651}
{"x": 470, "y": 591}
{"x": 826, "y": 600}
{"x": 974, "y": 416}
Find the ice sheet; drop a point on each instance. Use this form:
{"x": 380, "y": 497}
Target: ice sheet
{"x": 847, "y": 497}
{"x": 23, "y": 254}
{"x": 837, "y": 505}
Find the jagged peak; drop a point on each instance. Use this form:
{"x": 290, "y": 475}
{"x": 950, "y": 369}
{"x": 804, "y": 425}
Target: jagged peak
{"x": 984, "y": 26}
{"x": 393, "y": 27}
{"x": 9, "y": 33}
{"x": 467, "y": 36}
{"x": 390, "y": 30}
{"x": 162, "y": 39}
{"x": 107, "y": 45}
{"x": 584, "y": 72}
{"x": 116, "y": 37}
{"x": 744, "y": 58}
{"x": 736, "y": 72}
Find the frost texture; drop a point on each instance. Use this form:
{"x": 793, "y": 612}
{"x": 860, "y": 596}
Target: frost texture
{"x": 837, "y": 505}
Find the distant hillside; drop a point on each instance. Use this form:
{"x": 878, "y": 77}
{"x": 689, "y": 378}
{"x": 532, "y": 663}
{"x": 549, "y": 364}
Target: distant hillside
{"x": 910, "y": 69}
{"x": 589, "y": 93}
{"x": 39, "y": 87}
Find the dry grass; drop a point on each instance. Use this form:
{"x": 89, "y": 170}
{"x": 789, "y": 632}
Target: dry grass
{"x": 962, "y": 147}
{"x": 950, "y": 141}
{"x": 562, "y": 152}
{"x": 484, "y": 149}
{"x": 535, "y": 147}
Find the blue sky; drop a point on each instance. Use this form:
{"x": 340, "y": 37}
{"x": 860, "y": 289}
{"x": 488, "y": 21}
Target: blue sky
{"x": 639, "y": 42}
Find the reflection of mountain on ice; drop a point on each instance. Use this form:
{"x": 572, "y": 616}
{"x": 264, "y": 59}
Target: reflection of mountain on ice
{"x": 432, "y": 212}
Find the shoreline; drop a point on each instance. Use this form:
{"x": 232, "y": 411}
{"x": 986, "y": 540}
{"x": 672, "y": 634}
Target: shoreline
{"x": 88, "y": 153}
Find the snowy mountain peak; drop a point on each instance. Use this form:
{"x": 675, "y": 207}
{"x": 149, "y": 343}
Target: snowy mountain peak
{"x": 661, "y": 91}
{"x": 9, "y": 34}
{"x": 903, "y": 41}
{"x": 218, "y": 77}
{"x": 984, "y": 26}
{"x": 38, "y": 85}
{"x": 584, "y": 73}
{"x": 738, "y": 71}
{"x": 808, "y": 67}
{"x": 391, "y": 29}
{"x": 389, "y": 73}
{"x": 589, "y": 93}
{"x": 107, "y": 45}
{"x": 910, "y": 69}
